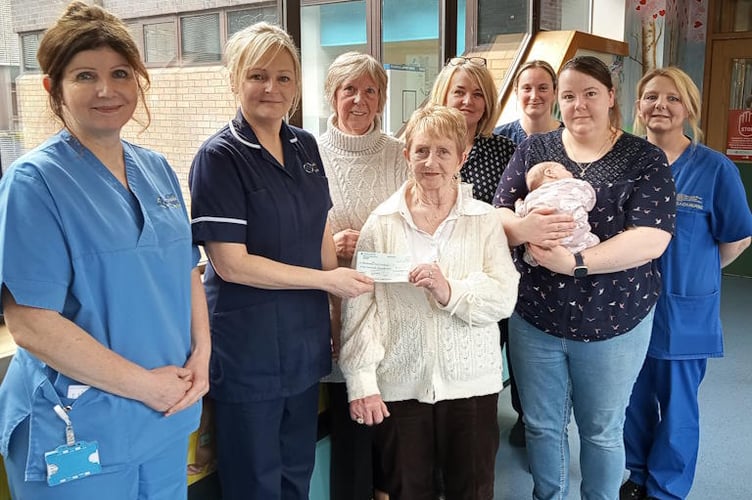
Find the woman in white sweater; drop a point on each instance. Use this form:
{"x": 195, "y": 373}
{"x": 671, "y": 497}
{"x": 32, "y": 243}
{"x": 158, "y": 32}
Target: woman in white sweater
{"x": 424, "y": 352}
{"x": 364, "y": 166}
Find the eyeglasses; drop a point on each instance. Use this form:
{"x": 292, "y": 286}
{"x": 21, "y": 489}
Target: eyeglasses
{"x": 459, "y": 61}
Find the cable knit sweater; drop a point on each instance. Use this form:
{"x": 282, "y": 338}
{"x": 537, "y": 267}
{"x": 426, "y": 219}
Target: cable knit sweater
{"x": 399, "y": 342}
{"x": 362, "y": 170}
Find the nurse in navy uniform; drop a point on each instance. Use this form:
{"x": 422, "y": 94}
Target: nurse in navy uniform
{"x": 260, "y": 201}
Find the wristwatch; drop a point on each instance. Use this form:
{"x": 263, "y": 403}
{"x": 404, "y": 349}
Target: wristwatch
{"x": 580, "y": 269}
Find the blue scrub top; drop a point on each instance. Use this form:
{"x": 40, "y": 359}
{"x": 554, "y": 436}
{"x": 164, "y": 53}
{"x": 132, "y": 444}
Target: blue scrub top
{"x": 266, "y": 344}
{"x": 73, "y": 239}
{"x": 711, "y": 208}
{"x": 512, "y": 130}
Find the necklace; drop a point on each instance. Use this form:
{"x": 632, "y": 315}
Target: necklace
{"x": 432, "y": 214}
{"x": 598, "y": 155}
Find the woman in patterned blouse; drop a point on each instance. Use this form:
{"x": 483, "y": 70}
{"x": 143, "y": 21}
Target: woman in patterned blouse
{"x": 582, "y": 322}
{"x": 466, "y": 84}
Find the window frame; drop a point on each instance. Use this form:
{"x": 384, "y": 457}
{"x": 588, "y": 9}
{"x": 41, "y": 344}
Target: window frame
{"x": 22, "y": 47}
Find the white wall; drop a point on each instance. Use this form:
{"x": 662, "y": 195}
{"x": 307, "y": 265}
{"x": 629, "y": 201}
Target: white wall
{"x": 609, "y": 17}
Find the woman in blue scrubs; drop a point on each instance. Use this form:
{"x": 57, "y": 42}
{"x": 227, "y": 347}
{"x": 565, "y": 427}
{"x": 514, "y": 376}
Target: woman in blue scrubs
{"x": 260, "y": 201}
{"x": 713, "y": 227}
{"x": 100, "y": 288}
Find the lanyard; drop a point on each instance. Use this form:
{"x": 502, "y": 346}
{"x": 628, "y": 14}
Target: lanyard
{"x": 70, "y": 438}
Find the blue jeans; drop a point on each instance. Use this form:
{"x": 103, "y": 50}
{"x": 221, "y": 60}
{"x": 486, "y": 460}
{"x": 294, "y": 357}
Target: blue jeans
{"x": 595, "y": 379}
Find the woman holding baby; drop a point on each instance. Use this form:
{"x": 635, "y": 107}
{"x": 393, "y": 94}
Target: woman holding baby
{"x": 582, "y": 323}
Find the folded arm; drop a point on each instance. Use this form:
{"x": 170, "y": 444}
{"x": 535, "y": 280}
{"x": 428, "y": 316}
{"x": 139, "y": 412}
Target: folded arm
{"x": 632, "y": 248}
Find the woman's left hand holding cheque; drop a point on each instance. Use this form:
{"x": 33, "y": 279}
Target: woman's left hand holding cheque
{"x": 430, "y": 277}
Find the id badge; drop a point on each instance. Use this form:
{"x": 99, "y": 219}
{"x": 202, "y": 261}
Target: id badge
{"x": 68, "y": 463}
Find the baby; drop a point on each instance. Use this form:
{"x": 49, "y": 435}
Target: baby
{"x": 551, "y": 185}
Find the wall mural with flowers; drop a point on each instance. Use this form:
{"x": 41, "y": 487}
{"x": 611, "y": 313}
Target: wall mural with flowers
{"x": 663, "y": 33}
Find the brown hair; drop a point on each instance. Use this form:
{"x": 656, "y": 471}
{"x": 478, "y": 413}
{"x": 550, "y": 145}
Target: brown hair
{"x": 688, "y": 93}
{"x": 86, "y": 27}
{"x": 535, "y": 63}
{"x": 594, "y": 67}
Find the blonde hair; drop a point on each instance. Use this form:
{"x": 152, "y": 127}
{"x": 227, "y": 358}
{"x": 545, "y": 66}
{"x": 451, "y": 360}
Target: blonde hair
{"x": 87, "y": 27}
{"x": 483, "y": 78}
{"x": 353, "y": 65}
{"x": 249, "y": 46}
{"x": 437, "y": 121}
{"x": 688, "y": 92}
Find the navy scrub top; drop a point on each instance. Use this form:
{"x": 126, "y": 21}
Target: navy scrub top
{"x": 266, "y": 344}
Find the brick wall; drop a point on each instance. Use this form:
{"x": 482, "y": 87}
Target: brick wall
{"x": 31, "y": 15}
{"x": 8, "y": 39}
{"x": 187, "y": 105}
{"x": 129, "y": 9}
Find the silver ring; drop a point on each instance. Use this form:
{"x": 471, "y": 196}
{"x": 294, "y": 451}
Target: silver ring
{"x": 430, "y": 274}
{"x": 360, "y": 420}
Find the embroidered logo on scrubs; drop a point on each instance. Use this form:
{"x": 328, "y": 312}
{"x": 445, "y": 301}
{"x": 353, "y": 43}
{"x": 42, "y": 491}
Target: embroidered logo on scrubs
{"x": 168, "y": 201}
{"x": 310, "y": 168}
{"x": 689, "y": 201}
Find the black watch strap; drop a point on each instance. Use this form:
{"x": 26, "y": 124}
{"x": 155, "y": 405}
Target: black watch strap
{"x": 578, "y": 260}
{"x": 580, "y": 269}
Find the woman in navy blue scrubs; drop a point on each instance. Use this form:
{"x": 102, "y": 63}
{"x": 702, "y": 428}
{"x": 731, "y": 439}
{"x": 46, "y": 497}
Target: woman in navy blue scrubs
{"x": 259, "y": 206}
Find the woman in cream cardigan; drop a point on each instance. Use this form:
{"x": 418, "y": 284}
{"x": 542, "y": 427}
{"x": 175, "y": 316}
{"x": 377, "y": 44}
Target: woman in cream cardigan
{"x": 421, "y": 357}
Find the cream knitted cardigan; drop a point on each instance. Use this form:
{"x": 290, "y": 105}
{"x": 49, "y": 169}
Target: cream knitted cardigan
{"x": 399, "y": 342}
